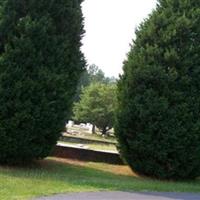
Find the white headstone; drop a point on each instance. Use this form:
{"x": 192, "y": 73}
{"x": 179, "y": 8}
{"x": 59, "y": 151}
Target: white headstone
{"x": 90, "y": 128}
{"x": 70, "y": 124}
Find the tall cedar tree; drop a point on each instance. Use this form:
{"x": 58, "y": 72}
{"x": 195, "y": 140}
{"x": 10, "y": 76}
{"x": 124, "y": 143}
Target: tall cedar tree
{"x": 40, "y": 64}
{"x": 158, "y": 116}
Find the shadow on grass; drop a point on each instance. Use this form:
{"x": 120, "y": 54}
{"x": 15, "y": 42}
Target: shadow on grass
{"x": 83, "y": 178}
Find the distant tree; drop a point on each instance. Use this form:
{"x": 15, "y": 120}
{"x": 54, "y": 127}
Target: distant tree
{"x": 95, "y": 74}
{"x": 92, "y": 75}
{"x": 158, "y": 121}
{"x": 96, "y": 106}
{"x": 110, "y": 80}
{"x": 40, "y": 65}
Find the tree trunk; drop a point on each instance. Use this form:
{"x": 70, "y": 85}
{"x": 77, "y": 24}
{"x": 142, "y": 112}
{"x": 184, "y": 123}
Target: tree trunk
{"x": 104, "y": 131}
{"x": 93, "y": 129}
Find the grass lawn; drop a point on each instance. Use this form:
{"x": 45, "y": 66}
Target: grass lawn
{"x": 53, "y": 176}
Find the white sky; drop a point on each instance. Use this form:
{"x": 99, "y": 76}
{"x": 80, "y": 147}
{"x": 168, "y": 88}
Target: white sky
{"x": 110, "y": 27}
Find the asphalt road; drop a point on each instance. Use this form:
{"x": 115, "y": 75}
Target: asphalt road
{"x": 123, "y": 196}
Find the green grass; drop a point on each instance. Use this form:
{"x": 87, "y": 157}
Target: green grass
{"x": 102, "y": 147}
{"x": 51, "y": 177}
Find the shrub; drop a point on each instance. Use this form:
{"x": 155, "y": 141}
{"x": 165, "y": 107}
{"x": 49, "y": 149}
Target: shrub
{"x": 158, "y": 123}
{"x": 40, "y": 64}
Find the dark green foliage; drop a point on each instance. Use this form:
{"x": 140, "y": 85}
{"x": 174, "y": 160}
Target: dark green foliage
{"x": 96, "y": 75}
{"x": 40, "y": 64}
{"x": 158, "y": 117}
{"x": 92, "y": 75}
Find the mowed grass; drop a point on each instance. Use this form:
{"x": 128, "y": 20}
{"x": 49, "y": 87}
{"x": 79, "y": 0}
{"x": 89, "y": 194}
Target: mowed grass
{"x": 53, "y": 176}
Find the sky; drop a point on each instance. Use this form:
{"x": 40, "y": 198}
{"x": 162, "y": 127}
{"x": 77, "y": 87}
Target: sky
{"x": 110, "y": 28}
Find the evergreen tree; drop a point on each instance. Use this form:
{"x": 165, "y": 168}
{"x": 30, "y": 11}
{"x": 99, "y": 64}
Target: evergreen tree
{"x": 40, "y": 64}
{"x": 158, "y": 122}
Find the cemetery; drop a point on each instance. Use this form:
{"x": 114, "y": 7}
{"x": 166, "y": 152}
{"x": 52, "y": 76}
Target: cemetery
{"x": 91, "y": 110}
{"x": 80, "y": 143}
{"x": 82, "y": 134}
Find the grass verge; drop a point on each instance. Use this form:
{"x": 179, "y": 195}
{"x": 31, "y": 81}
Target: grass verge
{"x": 53, "y": 176}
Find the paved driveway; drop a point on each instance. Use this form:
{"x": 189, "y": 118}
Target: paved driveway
{"x": 123, "y": 196}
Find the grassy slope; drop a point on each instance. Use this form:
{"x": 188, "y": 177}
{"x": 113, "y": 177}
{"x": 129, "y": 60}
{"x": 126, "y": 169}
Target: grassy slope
{"x": 53, "y": 176}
